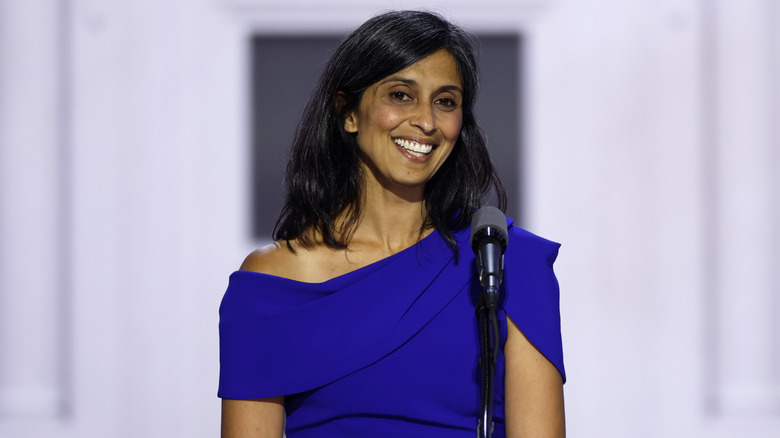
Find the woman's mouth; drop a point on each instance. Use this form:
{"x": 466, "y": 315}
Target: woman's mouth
{"x": 414, "y": 148}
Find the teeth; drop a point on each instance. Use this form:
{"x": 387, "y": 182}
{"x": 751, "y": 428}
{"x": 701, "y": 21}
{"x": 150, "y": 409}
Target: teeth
{"x": 416, "y": 149}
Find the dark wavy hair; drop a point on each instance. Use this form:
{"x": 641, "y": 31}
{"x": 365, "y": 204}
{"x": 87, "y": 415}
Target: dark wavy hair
{"x": 324, "y": 176}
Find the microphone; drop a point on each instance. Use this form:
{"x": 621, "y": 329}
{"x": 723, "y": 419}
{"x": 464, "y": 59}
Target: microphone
{"x": 489, "y": 240}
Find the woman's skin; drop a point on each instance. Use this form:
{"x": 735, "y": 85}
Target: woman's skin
{"x": 406, "y": 126}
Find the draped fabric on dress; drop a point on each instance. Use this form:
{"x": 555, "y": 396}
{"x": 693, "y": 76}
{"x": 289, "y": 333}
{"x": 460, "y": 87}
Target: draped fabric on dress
{"x": 390, "y": 349}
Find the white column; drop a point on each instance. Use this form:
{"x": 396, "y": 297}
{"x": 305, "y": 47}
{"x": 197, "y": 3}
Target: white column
{"x": 747, "y": 182}
{"x": 32, "y": 301}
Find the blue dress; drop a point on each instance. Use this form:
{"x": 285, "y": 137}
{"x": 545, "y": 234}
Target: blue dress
{"x": 390, "y": 349}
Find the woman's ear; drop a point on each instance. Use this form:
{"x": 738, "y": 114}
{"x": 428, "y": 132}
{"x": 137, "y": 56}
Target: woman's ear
{"x": 350, "y": 121}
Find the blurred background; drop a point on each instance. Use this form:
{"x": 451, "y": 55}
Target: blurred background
{"x": 136, "y": 137}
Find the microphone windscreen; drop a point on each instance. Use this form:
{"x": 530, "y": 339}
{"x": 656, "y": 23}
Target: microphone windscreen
{"x": 488, "y": 217}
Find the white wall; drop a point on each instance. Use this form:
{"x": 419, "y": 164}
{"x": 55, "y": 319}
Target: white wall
{"x": 652, "y": 156}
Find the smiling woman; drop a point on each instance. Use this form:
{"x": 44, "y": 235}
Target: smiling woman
{"x": 329, "y": 196}
{"x": 406, "y": 125}
{"x": 359, "y": 319}
{"x": 297, "y": 61}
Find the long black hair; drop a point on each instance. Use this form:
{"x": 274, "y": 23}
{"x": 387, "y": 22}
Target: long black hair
{"x": 324, "y": 176}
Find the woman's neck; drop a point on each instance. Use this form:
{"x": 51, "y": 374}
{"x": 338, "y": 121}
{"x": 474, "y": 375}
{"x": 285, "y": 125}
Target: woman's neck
{"x": 390, "y": 220}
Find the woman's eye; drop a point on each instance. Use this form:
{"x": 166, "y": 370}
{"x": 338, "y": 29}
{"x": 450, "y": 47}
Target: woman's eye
{"x": 399, "y": 95}
{"x": 447, "y": 102}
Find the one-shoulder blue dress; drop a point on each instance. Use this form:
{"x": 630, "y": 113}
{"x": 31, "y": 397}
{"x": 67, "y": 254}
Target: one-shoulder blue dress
{"x": 388, "y": 350}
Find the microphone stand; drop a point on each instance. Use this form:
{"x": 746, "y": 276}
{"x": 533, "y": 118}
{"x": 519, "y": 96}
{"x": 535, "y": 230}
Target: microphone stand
{"x": 488, "y": 341}
{"x": 490, "y": 278}
{"x": 488, "y": 240}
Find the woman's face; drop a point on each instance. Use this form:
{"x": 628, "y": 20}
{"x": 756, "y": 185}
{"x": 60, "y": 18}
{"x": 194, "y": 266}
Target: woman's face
{"x": 407, "y": 123}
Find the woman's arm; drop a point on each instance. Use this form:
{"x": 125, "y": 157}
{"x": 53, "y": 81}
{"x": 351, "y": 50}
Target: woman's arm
{"x": 534, "y": 390}
{"x": 253, "y": 418}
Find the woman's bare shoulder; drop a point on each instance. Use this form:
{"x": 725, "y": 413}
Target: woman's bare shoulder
{"x": 291, "y": 261}
{"x": 310, "y": 264}
{"x": 270, "y": 259}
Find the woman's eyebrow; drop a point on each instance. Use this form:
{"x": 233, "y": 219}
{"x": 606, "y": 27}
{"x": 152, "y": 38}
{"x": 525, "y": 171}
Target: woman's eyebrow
{"x": 412, "y": 82}
{"x": 399, "y": 79}
{"x": 451, "y": 88}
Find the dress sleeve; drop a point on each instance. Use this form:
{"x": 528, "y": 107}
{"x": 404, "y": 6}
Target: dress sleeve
{"x": 531, "y": 293}
{"x": 239, "y": 342}
{"x": 282, "y": 337}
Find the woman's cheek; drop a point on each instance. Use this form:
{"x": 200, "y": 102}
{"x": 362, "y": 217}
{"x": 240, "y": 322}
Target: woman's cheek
{"x": 388, "y": 117}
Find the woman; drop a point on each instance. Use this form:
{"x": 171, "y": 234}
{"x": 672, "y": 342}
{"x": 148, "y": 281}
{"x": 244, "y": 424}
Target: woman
{"x": 359, "y": 320}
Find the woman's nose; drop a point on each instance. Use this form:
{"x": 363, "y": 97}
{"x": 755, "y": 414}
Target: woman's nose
{"x": 424, "y": 118}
